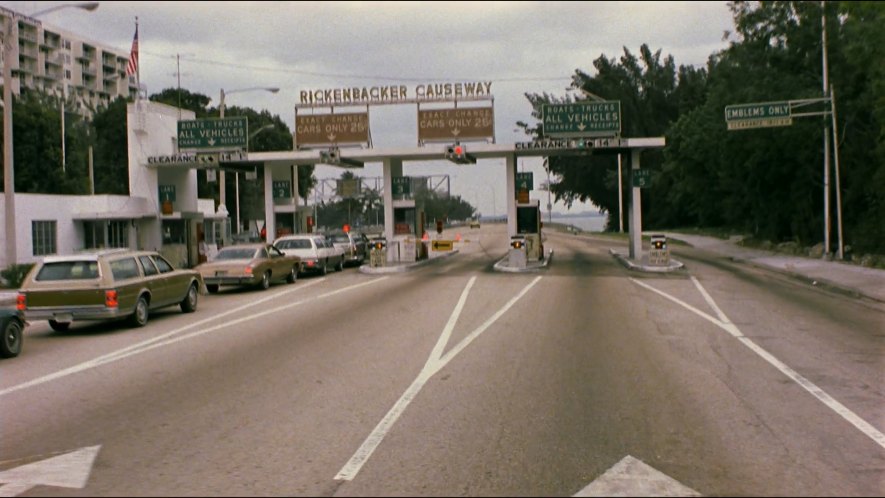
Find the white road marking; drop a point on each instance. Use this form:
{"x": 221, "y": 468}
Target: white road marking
{"x": 862, "y": 425}
{"x": 434, "y": 364}
{"x": 633, "y": 477}
{"x": 70, "y": 470}
{"x": 163, "y": 341}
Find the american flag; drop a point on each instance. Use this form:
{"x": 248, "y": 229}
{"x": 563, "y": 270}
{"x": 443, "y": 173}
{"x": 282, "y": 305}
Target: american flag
{"x": 133, "y": 56}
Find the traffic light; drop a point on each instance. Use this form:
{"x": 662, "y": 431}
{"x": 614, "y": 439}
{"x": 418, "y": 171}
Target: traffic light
{"x": 333, "y": 157}
{"x": 439, "y": 226}
{"x": 658, "y": 242}
{"x": 457, "y": 153}
{"x": 517, "y": 244}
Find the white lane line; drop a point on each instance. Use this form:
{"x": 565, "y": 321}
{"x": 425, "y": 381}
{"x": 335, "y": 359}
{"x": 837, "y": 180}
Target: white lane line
{"x": 862, "y": 425}
{"x": 150, "y": 344}
{"x": 436, "y": 353}
{"x": 433, "y": 365}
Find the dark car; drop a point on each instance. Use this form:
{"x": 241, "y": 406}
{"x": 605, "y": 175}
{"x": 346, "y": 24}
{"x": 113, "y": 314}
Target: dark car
{"x": 354, "y": 245}
{"x": 12, "y": 326}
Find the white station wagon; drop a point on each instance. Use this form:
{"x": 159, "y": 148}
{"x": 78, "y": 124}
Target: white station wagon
{"x": 317, "y": 253}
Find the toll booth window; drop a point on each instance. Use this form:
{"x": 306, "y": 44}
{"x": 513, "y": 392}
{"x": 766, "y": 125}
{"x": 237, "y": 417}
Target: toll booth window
{"x": 174, "y": 232}
{"x": 527, "y": 220}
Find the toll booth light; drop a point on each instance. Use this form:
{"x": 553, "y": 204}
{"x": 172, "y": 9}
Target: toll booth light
{"x": 516, "y": 244}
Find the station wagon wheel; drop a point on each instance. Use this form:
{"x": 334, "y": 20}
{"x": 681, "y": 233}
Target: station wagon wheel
{"x": 140, "y": 317}
{"x": 325, "y": 269}
{"x": 13, "y": 334}
{"x": 293, "y": 275}
{"x": 59, "y": 326}
{"x": 265, "y": 281}
{"x": 340, "y": 265}
{"x": 189, "y": 305}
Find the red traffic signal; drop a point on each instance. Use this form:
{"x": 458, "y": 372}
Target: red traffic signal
{"x": 346, "y": 228}
{"x": 459, "y": 150}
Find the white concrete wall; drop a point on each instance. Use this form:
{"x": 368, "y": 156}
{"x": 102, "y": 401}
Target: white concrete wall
{"x": 152, "y": 129}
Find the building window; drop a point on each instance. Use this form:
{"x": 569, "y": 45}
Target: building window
{"x": 43, "y": 237}
{"x": 67, "y": 74}
{"x": 102, "y": 234}
{"x": 118, "y": 234}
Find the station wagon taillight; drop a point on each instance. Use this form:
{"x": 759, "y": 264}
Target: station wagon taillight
{"x": 110, "y": 299}
{"x": 248, "y": 270}
{"x": 21, "y": 302}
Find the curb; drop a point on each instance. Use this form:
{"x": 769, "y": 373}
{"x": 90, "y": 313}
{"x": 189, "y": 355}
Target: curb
{"x": 402, "y": 268}
{"x": 673, "y": 266}
{"x": 502, "y": 267}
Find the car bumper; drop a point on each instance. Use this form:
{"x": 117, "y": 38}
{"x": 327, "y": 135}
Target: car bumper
{"x": 230, "y": 280}
{"x": 74, "y": 314}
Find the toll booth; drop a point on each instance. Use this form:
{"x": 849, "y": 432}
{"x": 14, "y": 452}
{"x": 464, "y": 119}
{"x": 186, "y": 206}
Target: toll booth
{"x": 659, "y": 255}
{"x": 528, "y": 225}
{"x": 408, "y": 228}
{"x": 377, "y": 252}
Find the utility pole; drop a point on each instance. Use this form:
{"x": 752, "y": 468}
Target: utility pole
{"x": 823, "y": 20}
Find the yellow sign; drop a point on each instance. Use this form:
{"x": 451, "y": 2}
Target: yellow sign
{"x": 442, "y": 245}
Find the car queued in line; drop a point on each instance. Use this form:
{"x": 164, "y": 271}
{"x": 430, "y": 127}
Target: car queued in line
{"x": 126, "y": 285}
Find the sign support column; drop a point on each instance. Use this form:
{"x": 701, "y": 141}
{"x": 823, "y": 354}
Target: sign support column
{"x": 509, "y": 193}
{"x": 391, "y": 167}
{"x": 269, "y": 215}
{"x": 635, "y": 210}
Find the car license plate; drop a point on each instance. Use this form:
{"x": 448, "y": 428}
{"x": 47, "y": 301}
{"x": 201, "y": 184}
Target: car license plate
{"x": 220, "y": 273}
{"x": 63, "y": 317}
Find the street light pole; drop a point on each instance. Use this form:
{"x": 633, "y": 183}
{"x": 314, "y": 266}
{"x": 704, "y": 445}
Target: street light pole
{"x": 9, "y": 38}
{"x": 222, "y": 196}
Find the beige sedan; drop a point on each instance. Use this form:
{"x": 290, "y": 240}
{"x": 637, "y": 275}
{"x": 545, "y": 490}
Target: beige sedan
{"x": 257, "y": 264}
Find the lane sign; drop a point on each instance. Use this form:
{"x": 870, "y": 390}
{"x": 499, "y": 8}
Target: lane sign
{"x": 462, "y": 124}
{"x": 581, "y": 119}
{"x": 313, "y": 130}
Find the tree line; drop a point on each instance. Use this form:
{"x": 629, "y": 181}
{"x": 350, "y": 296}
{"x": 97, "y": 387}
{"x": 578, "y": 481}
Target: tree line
{"x": 767, "y": 182}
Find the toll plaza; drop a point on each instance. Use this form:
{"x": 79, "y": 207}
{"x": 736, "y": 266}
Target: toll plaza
{"x": 458, "y": 135}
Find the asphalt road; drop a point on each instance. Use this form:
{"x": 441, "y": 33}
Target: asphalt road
{"x": 453, "y": 379}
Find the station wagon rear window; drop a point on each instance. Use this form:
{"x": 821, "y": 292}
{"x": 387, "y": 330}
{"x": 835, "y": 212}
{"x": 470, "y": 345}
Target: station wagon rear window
{"x": 294, "y": 244}
{"x": 68, "y": 270}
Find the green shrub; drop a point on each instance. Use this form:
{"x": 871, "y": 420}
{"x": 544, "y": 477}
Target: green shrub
{"x": 14, "y": 275}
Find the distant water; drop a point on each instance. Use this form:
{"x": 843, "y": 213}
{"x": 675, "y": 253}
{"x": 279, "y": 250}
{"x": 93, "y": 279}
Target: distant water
{"x": 585, "y": 223}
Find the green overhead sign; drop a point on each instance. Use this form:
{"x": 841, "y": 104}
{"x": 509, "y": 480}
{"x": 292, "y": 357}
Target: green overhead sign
{"x": 582, "y": 119}
{"x": 761, "y": 115}
{"x": 214, "y": 133}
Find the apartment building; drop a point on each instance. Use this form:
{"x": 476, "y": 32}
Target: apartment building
{"x": 86, "y": 74}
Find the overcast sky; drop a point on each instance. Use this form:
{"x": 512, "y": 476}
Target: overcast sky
{"x": 521, "y": 47}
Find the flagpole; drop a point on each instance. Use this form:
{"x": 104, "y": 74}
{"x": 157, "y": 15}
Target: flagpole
{"x": 137, "y": 67}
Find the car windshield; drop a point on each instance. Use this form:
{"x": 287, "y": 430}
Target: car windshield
{"x": 68, "y": 270}
{"x": 293, "y": 244}
{"x": 236, "y": 253}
